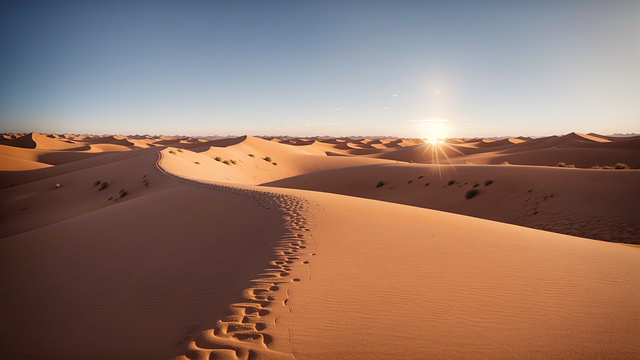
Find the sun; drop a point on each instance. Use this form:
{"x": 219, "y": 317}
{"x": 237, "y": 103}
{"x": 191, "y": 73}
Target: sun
{"x": 434, "y": 130}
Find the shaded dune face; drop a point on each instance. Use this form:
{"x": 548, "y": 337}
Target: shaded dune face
{"x": 250, "y": 248}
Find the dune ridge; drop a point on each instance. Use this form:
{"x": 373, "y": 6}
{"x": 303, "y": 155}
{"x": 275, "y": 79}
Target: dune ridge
{"x": 247, "y": 331}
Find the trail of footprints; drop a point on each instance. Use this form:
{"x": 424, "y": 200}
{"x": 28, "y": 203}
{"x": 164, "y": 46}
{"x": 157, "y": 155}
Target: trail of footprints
{"x": 241, "y": 335}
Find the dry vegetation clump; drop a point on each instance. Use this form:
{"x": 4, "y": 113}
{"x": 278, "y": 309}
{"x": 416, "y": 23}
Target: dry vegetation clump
{"x": 172, "y": 152}
{"x": 179, "y": 150}
{"x": 274, "y": 163}
{"x": 596, "y": 167}
{"x": 104, "y": 185}
{"x": 451, "y": 182}
{"x": 621, "y": 166}
{"x": 505, "y": 163}
{"x": 252, "y": 155}
{"x": 488, "y": 182}
{"x": 217, "y": 158}
{"x": 427, "y": 184}
{"x": 571, "y": 166}
{"x": 268, "y": 158}
{"x": 97, "y": 183}
{"x": 471, "y": 193}
{"x": 233, "y": 161}
{"x": 198, "y": 162}
{"x": 226, "y": 162}
{"x": 476, "y": 185}
{"x": 379, "y": 184}
{"x": 123, "y": 193}
{"x": 420, "y": 177}
{"x": 561, "y": 164}
{"x": 410, "y": 181}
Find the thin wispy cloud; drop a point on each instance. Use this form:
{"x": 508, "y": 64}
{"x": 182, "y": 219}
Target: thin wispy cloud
{"x": 430, "y": 119}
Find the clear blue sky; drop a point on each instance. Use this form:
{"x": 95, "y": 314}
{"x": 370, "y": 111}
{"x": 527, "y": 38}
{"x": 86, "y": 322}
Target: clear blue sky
{"x": 307, "y": 68}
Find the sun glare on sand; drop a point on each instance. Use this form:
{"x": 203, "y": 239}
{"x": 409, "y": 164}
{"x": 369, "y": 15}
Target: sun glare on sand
{"x": 434, "y": 131}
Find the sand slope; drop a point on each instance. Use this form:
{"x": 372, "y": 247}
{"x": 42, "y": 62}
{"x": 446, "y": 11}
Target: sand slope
{"x": 132, "y": 279}
{"x": 597, "y": 204}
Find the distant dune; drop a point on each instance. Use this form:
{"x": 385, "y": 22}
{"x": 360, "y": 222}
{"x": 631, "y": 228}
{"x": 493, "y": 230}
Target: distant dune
{"x": 159, "y": 247}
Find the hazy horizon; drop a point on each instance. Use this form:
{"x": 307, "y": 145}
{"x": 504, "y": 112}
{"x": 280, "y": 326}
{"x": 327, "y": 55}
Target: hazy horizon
{"x": 407, "y": 69}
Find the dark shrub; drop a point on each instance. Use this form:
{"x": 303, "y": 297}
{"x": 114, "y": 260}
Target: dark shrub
{"x": 380, "y": 183}
{"x": 471, "y": 193}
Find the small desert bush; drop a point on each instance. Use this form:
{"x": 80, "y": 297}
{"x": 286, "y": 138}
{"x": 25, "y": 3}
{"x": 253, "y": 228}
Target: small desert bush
{"x": 218, "y": 158}
{"x": 571, "y": 166}
{"x": 275, "y": 163}
{"x": 144, "y": 176}
{"x": 172, "y": 152}
{"x": 104, "y": 185}
{"x": 226, "y": 162}
{"x": 410, "y": 181}
{"x": 420, "y": 177}
{"x": 596, "y": 167}
{"x": 621, "y": 166}
{"x": 251, "y": 155}
{"x": 97, "y": 183}
{"x": 504, "y": 163}
{"x": 268, "y": 158}
{"x": 179, "y": 150}
{"x": 561, "y": 164}
{"x": 488, "y": 182}
{"x": 476, "y": 185}
{"x": 410, "y": 161}
{"x": 233, "y": 161}
{"x": 471, "y": 193}
{"x": 123, "y": 193}
{"x": 427, "y": 184}
{"x": 380, "y": 183}
{"x": 451, "y": 182}
{"x": 466, "y": 162}
{"x": 198, "y": 162}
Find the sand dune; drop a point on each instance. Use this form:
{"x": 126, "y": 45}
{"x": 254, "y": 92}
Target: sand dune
{"x": 596, "y": 204}
{"x": 309, "y": 259}
{"x": 37, "y": 141}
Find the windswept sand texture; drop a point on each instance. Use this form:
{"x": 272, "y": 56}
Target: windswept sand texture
{"x": 309, "y": 259}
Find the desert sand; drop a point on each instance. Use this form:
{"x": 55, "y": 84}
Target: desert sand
{"x": 155, "y": 247}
